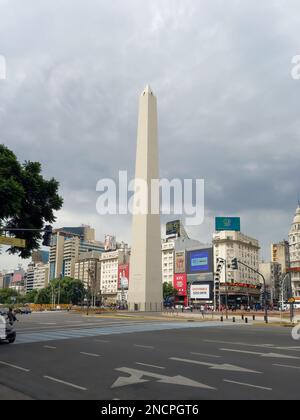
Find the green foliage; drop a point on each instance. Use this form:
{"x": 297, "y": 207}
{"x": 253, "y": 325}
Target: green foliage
{"x": 69, "y": 290}
{"x": 169, "y": 290}
{"x": 42, "y": 297}
{"x": 6, "y": 295}
{"x": 27, "y": 200}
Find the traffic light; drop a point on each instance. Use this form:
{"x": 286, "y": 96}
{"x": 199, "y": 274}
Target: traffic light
{"x": 47, "y": 235}
{"x": 234, "y": 264}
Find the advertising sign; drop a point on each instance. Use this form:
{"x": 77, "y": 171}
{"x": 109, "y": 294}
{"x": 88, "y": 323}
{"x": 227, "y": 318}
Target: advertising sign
{"x": 228, "y": 223}
{"x": 123, "y": 276}
{"x": 200, "y": 261}
{"x": 173, "y": 228}
{"x": 180, "y": 262}
{"x": 110, "y": 243}
{"x": 200, "y": 291}
{"x": 180, "y": 284}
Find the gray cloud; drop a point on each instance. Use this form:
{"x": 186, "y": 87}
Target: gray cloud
{"x": 228, "y": 107}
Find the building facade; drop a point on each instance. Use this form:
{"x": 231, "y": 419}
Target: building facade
{"x": 242, "y": 285}
{"x": 294, "y": 246}
{"x": 66, "y": 246}
{"x": 280, "y": 254}
{"x": 88, "y": 269}
{"x": 272, "y": 271}
{"x": 109, "y": 275}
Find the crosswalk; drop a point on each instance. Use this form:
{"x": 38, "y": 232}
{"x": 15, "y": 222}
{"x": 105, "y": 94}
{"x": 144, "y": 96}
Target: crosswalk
{"x": 67, "y": 334}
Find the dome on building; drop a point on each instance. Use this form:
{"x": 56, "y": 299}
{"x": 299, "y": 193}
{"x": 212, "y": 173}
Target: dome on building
{"x": 297, "y": 216}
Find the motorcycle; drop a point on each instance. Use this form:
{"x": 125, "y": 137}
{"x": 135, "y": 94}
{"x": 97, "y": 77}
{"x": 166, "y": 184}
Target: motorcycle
{"x": 7, "y": 331}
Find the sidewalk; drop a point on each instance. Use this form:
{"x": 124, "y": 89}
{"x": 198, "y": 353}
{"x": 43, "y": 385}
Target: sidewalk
{"x": 197, "y": 316}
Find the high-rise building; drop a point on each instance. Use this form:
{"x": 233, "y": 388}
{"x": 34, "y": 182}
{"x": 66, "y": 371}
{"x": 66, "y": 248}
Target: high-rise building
{"x": 294, "y": 244}
{"x": 40, "y": 256}
{"x": 41, "y": 275}
{"x": 145, "y": 288}
{"x": 280, "y": 254}
{"x": 66, "y": 246}
{"x": 29, "y": 284}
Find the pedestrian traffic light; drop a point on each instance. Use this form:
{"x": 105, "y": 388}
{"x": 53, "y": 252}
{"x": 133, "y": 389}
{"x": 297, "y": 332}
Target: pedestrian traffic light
{"x": 234, "y": 264}
{"x": 47, "y": 235}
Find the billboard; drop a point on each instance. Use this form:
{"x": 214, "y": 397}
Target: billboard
{"x": 173, "y": 228}
{"x": 180, "y": 262}
{"x": 228, "y": 223}
{"x": 201, "y": 291}
{"x": 200, "y": 261}
{"x": 110, "y": 243}
{"x": 180, "y": 284}
{"x": 123, "y": 276}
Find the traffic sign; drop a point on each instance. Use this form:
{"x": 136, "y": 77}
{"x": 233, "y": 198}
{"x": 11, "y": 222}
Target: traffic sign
{"x": 292, "y": 300}
{"x": 20, "y": 243}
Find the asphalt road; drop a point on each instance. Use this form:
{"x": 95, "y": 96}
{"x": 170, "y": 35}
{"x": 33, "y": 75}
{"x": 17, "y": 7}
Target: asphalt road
{"x": 67, "y": 356}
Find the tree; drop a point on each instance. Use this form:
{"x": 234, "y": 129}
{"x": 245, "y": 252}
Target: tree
{"x": 169, "y": 290}
{"x": 30, "y": 297}
{"x": 42, "y": 297}
{"x": 7, "y": 294}
{"x": 27, "y": 200}
{"x": 69, "y": 290}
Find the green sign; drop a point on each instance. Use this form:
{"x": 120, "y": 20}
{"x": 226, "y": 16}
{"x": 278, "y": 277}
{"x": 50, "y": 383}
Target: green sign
{"x": 228, "y": 223}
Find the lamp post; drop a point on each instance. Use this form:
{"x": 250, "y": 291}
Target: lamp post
{"x": 265, "y": 287}
{"x": 223, "y": 260}
{"x": 59, "y": 280}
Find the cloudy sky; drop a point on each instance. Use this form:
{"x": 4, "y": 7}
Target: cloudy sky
{"x": 221, "y": 71}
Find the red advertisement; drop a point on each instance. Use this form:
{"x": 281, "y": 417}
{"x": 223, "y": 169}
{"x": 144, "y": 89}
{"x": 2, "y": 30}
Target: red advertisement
{"x": 180, "y": 283}
{"x": 123, "y": 277}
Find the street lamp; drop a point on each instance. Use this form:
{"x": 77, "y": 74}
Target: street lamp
{"x": 265, "y": 287}
{"x": 223, "y": 260}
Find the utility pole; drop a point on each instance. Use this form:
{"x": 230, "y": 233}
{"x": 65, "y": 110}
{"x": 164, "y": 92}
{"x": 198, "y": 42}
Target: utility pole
{"x": 265, "y": 287}
{"x": 59, "y": 280}
{"x": 224, "y": 263}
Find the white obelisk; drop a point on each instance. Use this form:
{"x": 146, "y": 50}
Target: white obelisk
{"x": 145, "y": 284}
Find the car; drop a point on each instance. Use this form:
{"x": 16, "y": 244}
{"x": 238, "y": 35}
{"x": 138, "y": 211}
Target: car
{"x": 3, "y": 311}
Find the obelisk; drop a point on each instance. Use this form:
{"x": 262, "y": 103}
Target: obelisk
{"x": 145, "y": 283}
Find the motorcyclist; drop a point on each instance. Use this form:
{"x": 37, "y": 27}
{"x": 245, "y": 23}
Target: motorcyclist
{"x": 11, "y": 316}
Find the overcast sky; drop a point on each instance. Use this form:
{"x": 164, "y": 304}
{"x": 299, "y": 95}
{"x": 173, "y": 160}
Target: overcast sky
{"x": 228, "y": 106}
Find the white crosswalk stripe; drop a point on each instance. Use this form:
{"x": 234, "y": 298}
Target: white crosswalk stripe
{"x": 93, "y": 332}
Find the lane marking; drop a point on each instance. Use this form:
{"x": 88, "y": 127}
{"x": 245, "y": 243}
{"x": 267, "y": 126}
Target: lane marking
{"x": 145, "y": 364}
{"x": 14, "y": 366}
{"x": 267, "y": 346}
{"x": 271, "y": 355}
{"x": 65, "y": 383}
{"x": 206, "y": 355}
{"x": 143, "y": 347}
{"x": 249, "y": 385}
{"x": 90, "y": 354}
{"x": 287, "y": 366}
{"x": 136, "y": 377}
{"x": 50, "y": 347}
{"x": 102, "y": 341}
{"x": 223, "y": 366}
